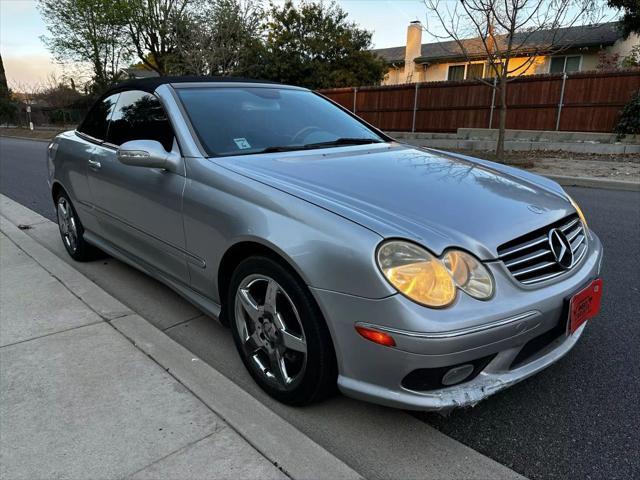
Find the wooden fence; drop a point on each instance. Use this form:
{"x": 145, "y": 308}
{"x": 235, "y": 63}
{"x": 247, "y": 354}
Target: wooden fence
{"x": 583, "y": 102}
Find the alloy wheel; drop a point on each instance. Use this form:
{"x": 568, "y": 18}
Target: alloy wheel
{"x": 67, "y": 224}
{"x": 271, "y": 332}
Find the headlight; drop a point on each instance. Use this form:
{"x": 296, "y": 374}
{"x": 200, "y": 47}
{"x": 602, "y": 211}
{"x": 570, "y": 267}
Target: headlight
{"x": 469, "y": 274}
{"x": 416, "y": 273}
{"x": 579, "y": 210}
{"x": 430, "y": 281}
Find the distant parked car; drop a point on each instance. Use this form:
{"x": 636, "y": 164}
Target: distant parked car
{"x": 409, "y": 277}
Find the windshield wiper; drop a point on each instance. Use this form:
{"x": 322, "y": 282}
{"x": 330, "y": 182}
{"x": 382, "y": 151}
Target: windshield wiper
{"x": 331, "y": 143}
{"x": 283, "y": 148}
{"x": 344, "y": 141}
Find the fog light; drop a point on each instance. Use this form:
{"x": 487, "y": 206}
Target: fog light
{"x": 376, "y": 336}
{"x": 457, "y": 374}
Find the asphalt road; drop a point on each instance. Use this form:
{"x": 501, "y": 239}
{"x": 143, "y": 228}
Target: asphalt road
{"x": 577, "y": 419}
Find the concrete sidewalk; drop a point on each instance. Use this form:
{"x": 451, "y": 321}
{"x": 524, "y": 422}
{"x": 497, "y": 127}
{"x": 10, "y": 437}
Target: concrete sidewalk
{"x": 88, "y": 389}
{"x": 327, "y": 440}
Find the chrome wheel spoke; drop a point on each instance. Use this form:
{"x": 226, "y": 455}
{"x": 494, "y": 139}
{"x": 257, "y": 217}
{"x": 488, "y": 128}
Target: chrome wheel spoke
{"x": 248, "y": 304}
{"x": 270, "y": 297}
{"x": 293, "y": 342}
{"x": 72, "y": 232}
{"x": 278, "y": 367}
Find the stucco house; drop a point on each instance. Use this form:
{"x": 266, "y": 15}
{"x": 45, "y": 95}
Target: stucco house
{"x": 427, "y": 62}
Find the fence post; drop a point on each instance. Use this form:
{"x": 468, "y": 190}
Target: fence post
{"x": 355, "y": 96}
{"x": 561, "y": 104}
{"x": 415, "y": 107}
{"x": 493, "y": 101}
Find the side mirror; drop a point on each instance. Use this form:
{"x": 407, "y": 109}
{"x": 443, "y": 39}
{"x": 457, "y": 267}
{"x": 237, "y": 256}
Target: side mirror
{"x": 147, "y": 153}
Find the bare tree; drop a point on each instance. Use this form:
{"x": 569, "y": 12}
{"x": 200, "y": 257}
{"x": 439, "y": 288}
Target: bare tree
{"x": 218, "y": 36}
{"x": 501, "y": 30}
{"x": 153, "y": 26}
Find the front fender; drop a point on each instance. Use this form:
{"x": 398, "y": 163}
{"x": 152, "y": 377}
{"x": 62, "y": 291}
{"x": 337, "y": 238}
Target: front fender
{"x": 222, "y": 208}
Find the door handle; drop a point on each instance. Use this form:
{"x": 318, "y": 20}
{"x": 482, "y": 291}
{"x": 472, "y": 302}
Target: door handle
{"x": 94, "y": 164}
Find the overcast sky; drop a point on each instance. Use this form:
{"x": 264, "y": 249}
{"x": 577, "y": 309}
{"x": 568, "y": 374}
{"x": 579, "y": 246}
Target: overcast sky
{"x": 27, "y": 61}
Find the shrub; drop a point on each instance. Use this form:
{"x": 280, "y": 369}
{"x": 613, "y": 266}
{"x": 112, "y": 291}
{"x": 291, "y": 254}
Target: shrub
{"x": 629, "y": 121}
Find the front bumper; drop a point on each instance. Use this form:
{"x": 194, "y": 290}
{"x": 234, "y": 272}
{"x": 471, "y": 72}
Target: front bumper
{"x": 467, "y": 331}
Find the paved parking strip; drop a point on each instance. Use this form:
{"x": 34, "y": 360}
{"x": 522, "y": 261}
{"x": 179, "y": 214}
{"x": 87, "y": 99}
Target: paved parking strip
{"x": 574, "y": 419}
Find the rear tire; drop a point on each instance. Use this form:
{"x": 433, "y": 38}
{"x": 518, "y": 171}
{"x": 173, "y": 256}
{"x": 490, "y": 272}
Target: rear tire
{"x": 279, "y": 332}
{"x": 72, "y": 231}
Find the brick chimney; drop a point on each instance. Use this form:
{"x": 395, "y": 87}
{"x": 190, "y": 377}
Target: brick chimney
{"x": 413, "y": 49}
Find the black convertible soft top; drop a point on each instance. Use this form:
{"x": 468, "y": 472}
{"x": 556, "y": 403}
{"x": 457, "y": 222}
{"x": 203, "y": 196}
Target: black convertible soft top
{"x": 150, "y": 84}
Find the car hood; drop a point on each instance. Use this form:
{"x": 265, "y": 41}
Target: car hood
{"x": 435, "y": 198}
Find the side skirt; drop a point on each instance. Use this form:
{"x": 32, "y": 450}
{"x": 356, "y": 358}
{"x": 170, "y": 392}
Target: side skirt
{"x": 203, "y": 303}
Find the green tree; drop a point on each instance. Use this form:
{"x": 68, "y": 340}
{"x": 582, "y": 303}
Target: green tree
{"x": 314, "y": 45}
{"x": 153, "y": 27}
{"x": 91, "y": 31}
{"x": 629, "y": 120}
{"x": 633, "y": 59}
{"x": 631, "y": 15}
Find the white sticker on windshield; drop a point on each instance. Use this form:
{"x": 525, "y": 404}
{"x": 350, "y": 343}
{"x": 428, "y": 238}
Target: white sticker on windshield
{"x": 242, "y": 143}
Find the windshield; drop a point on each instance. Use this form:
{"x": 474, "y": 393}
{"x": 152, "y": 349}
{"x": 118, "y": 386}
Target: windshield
{"x": 243, "y": 120}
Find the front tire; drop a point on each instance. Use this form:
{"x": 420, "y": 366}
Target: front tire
{"x": 71, "y": 231}
{"x": 279, "y": 332}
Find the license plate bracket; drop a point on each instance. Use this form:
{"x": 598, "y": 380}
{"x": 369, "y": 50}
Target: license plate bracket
{"x": 584, "y": 305}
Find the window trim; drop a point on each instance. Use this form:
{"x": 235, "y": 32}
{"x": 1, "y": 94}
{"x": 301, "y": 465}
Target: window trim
{"x": 108, "y": 144}
{"x": 564, "y": 64}
{"x": 90, "y": 138}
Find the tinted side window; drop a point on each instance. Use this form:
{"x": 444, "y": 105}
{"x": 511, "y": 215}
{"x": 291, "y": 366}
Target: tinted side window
{"x": 140, "y": 116}
{"x": 96, "y": 121}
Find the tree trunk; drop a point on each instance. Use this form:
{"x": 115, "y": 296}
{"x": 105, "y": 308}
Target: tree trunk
{"x": 502, "y": 123}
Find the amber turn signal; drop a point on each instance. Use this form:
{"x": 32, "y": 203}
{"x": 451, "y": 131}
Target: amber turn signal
{"x": 376, "y": 336}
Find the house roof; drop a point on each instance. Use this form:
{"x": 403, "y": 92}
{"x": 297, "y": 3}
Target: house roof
{"x": 583, "y": 36}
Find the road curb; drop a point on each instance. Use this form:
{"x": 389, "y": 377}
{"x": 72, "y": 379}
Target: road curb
{"x": 27, "y": 138}
{"x": 587, "y": 182}
{"x": 276, "y": 439}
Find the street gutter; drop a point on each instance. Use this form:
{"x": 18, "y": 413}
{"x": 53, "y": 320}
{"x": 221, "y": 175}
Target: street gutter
{"x": 589, "y": 182}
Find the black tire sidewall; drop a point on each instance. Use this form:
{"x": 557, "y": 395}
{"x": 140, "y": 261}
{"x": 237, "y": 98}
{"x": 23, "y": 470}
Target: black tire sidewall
{"x": 319, "y": 379}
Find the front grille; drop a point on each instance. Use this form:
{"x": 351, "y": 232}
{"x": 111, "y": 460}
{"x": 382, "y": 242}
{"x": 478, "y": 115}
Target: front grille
{"x": 539, "y": 343}
{"x": 529, "y": 258}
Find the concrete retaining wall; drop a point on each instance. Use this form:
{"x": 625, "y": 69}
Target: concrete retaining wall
{"x": 525, "y": 140}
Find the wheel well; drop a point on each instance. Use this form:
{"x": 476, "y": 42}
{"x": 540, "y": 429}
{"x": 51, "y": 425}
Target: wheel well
{"x": 236, "y": 254}
{"x": 56, "y": 190}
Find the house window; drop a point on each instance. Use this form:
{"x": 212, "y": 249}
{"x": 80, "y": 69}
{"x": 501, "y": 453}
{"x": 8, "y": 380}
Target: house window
{"x": 468, "y": 71}
{"x": 475, "y": 70}
{"x": 565, "y": 64}
{"x": 456, "y": 72}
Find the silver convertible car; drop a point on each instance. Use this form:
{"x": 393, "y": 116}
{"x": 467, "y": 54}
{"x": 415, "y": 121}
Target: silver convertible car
{"x": 405, "y": 276}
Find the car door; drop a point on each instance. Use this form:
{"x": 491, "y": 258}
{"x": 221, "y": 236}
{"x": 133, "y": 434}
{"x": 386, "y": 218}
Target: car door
{"x": 140, "y": 209}
{"x": 79, "y": 155}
